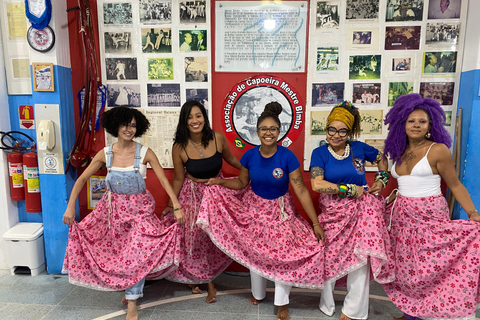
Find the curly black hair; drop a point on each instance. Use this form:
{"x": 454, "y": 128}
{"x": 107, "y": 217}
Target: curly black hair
{"x": 116, "y": 117}
{"x": 271, "y": 110}
{"x": 182, "y": 134}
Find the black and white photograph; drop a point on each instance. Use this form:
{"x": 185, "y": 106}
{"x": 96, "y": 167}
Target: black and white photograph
{"x": 121, "y": 68}
{"x": 402, "y": 64}
{"x": 440, "y": 62}
{"x": 327, "y": 59}
{"x": 116, "y": 13}
{"x": 327, "y": 15}
{"x": 365, "y": 67}
{"x": 366, "y": 93}
{"x": 402, "y": 38}
{"x": 196, "y": 69}
{"x": 163, "y": 94}
{"x": 156, "y": 40}
{"x": 397, "y": 89}
{"x": 362, "y": 9}
{"x": 444, "y": 9}
{"x": 123, "y": 95}
{"x": 404, "y": 10}
{"x": 327, "y": 94}
{"x": 118, "y": 42}
{"x": 250, "y": 105}
{"x": 192, "y": 40}
{"x": 193, "y": 12}
{"x": 160, "y": 69}
{"x": 442, "y": 33}
{"x": 371, "y": 121}
{"x": 200, "y": 95}
{"x": 155, "y": 11}
{"x": 440, "y": 91}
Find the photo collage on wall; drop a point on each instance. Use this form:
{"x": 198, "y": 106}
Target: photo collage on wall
{"x": 155, "y": 56}
{"x": 370, "y": 52}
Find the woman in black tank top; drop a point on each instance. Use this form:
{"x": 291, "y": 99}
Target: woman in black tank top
{"x": 198, "y": 154}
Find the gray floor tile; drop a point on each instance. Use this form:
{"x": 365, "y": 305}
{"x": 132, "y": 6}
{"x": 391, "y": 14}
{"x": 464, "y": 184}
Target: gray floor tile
{"x": 184, "y": 315}
{"x": 77, "y": 313}
{"x": 15, "y": 311}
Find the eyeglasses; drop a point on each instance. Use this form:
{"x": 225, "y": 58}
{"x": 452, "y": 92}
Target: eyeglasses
{"x": 272, "y": 129}
{"x": 341, "y": 132}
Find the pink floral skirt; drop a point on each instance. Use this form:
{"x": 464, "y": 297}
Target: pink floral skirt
{"x": 200, "y": 261}
{"x": 437, "y": 260}
{"x": 113, "y": 249}
{"x": 355, "y": 232}
{"x": 266, "y": 236}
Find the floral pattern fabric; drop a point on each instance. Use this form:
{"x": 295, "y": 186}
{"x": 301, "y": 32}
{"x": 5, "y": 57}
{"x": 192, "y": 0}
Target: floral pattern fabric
{"x": 266, "y": 236}
{"x": 355, "y": 231}
{"x": 437, "y": 260}
{"x": 114, "y": 250}
{"x": 200, "y": 261}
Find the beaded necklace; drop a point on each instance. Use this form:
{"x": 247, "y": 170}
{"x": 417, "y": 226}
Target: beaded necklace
{"x": 342, "y": 157}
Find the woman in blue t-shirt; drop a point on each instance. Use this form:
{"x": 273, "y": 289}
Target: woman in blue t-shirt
{"x": 352, "y": 218}
{"x": 260, "y": 229}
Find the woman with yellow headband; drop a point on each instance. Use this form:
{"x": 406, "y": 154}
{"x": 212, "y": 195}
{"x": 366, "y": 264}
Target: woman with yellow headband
{"x": 357, "y": 241}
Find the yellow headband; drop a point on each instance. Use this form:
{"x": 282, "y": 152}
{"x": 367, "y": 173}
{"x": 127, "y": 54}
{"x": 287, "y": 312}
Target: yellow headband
{"x": 343, "y": 115}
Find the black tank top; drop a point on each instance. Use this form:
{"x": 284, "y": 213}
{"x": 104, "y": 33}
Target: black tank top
{"x": 205, "y": 168}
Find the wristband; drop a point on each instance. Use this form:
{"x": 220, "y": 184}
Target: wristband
{"x": 176, "y": 209}
{"x": 342, "y": 189}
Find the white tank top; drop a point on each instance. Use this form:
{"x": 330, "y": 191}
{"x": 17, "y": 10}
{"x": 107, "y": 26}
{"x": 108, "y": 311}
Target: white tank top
{"x": 142, "y": 168}
{"x": 421, "y": 182}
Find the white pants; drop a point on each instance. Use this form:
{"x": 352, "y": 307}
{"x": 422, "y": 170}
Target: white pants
{"x": 259, "y": 289}
{"x": 355, "y": 305}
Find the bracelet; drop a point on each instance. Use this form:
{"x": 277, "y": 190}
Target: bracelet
{"x": 352, "y": 190}
{"x": 469, "y": 213}
{"x": 316, "y": 224}
{"x": 342, "y": 189}
{"x": 176, "y": 209}
{"x": 383, "y": 177}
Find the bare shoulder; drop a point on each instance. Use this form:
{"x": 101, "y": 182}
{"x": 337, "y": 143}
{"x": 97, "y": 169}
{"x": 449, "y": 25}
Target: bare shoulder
{"x": 440, "y": 150}
{"x": 219, "y": 136}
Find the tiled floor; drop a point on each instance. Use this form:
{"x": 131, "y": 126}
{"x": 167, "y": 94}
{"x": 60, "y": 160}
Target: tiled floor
{"x": 52, "y": 297}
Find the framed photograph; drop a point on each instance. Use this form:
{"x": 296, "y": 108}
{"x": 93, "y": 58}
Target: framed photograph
{"x": 362, "y": 10}
{"x": 404, "y": 10}
{"x": 163, "y": 94}
{"x": 156, "y": 40}
{"x": 327, "y": 94}
{"x": 117, "y": 13}
{"x": 402, "y": 38}
{"x": 366, "y": 93}
{"x": 196, "y": 69}
{"x": 364, "y": 67}
{"x": 362, "y": 39}
{"x": 444, "y": 9}
{"x": 160, "y": 69}
{"x": 444, "y": 63}
{"x": 193, "y": 12}
{"x": 401, "y": 64}
{"x": 327, "y": 16}
{"x": 43, "y": 77}
{"x": 118, "y": 42}
{"x": 155, "y": 11}
{"x": 442, "y": 34}
{"x": 397, "y": 89}
{"x": 319, "y": 122}
{"x": 327, "y": 59}
{"x": 200, "y": 95}
{"x": 121, "y": 68}
{"x": 193, "y": 40}
{"x": 123, "y": 95}
{"x": 96, "y": 187}
{"x": 371, "y": 121}
{"x": 440, "y": 91}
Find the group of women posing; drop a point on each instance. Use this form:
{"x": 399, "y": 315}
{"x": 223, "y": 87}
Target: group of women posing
{"x": 429, "y": 266}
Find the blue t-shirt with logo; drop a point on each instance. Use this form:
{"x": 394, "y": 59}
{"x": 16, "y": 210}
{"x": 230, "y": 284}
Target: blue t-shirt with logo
{"x": 269, "y": 176}
{"x": 349, "y": 170}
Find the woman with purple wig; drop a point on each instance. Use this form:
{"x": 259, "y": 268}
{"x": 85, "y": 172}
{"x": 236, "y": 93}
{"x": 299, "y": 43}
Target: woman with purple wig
{"x": 357, "y": 242}
{"x": 437, "y": 260}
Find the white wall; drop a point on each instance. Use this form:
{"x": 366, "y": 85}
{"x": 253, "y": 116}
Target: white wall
{"x": 471, "y": 56}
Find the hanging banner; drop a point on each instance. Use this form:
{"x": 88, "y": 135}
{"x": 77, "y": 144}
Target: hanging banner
{"x": 246, "y": 101}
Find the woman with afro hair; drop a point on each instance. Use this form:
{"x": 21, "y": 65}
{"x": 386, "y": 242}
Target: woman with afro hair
{"x": 437, "y": 261}
{"x": 122, "y": 242}
{"x": 357, "y": 242}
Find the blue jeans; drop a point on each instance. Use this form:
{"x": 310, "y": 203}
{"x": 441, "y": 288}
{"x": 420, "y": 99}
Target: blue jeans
{"x": 135, "y": 291}
{"x": 411, "y": 317}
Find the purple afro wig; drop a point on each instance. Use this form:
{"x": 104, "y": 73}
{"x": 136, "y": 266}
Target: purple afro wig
{"x": 396, "y": 118}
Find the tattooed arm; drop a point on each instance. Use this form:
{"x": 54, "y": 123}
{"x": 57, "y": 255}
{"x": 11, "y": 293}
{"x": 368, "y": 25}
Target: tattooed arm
{"x": 319, "y": 184}
{"x": 303, "y": 195}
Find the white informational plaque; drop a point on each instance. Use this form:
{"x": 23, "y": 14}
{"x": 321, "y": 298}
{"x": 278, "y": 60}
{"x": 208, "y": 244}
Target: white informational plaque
{"x": 255, "y": 37}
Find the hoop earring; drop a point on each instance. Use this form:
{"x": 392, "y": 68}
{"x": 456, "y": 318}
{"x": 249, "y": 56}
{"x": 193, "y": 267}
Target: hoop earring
{"x": 428, "y": 135}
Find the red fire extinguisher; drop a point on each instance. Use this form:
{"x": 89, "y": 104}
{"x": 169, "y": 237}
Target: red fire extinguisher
{"x": 33, "y": 202}
{"x": 15, "y": 169}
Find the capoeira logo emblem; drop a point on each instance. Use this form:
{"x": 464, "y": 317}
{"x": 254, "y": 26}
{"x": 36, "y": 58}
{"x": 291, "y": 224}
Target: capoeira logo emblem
{"x": 359, "y": 165}
{"x": 277, "y": 173}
